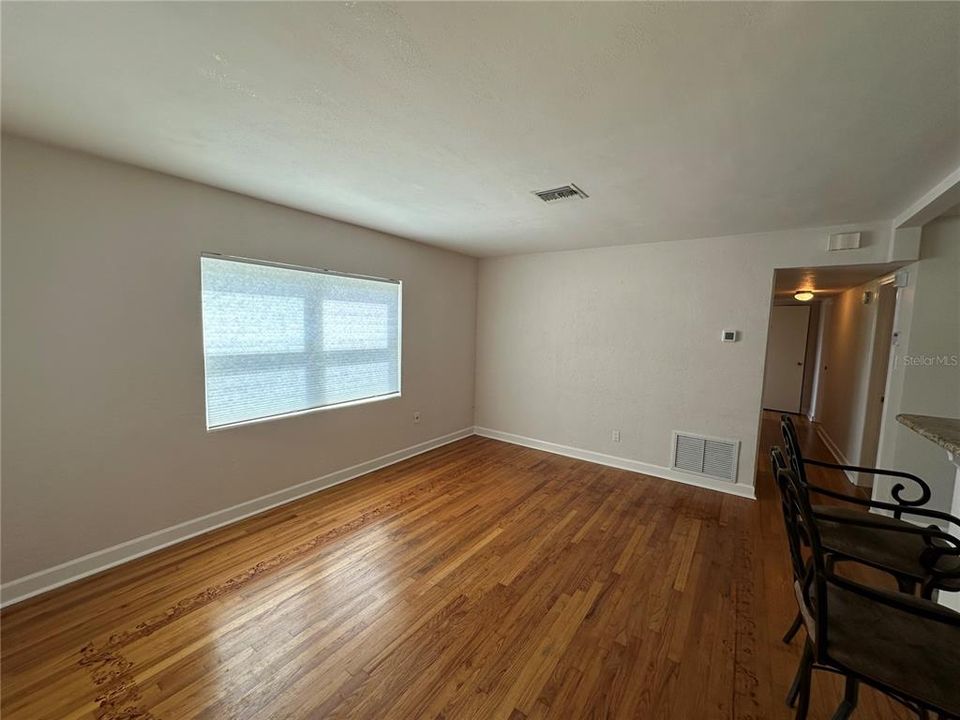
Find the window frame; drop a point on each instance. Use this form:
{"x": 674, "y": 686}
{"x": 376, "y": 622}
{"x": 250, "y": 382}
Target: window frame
{"x": 310, "y": 347}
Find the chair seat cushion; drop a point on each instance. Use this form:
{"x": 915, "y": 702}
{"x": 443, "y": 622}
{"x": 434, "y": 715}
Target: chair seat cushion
{"x": 915, "y": 656}
{"x": 891, "y": 551}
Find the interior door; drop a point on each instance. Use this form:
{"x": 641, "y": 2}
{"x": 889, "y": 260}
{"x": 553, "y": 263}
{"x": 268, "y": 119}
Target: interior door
{"x": 786, "y": 349}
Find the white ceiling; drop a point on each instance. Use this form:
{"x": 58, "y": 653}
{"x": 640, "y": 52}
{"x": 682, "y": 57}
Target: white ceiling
{"x": 434, "y": 121}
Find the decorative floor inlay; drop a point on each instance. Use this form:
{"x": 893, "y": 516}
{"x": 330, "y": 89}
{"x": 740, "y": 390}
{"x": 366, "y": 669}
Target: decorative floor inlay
{"x": 112, "y": 674}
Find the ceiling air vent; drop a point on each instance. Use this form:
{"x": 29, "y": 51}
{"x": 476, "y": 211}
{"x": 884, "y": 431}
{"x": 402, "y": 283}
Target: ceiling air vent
{"x": 566, "y": 192}
{"x": 713, "y": 457}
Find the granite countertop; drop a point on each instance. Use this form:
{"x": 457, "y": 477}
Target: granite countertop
{"x": 945, "y": 432}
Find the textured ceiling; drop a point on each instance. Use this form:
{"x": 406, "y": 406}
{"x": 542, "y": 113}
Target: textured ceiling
{"x": 434, "y": 121}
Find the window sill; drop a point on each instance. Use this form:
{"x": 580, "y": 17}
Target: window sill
{"x": 308, "y": 411}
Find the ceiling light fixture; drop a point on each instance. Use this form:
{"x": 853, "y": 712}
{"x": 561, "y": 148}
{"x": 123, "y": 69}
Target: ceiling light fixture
{"x": 803, "y": 295}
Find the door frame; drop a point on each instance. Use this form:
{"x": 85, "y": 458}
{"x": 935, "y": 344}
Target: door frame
{"x": 823, "y": 338}
{"x": 881, "y": 364}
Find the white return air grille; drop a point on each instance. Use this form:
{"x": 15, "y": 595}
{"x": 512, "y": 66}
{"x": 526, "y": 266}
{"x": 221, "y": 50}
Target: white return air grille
{"x": 713, "y": 457}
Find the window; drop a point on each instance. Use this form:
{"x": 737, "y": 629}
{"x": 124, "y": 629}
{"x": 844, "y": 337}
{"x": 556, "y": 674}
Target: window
{"x": 279, "y": 339}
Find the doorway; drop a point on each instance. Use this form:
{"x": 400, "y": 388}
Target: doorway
{"x": 786, "y": 358}
{"x": 828, "y": 355}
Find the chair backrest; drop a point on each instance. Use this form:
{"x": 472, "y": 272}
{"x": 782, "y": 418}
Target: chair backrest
{"x": 798, "y": 464}
{"x": 788, "y": 507}
{"x": 791, "y": 443}
{"x": 809, "y": 576}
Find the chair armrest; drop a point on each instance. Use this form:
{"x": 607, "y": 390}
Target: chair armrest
{"x": 896, "y": 490}
{"x": 926, "y": 513}
{"x": 939, "y": 543}
{"x": 931, "y": 532}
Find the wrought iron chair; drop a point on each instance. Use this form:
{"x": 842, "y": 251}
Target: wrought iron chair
{"x": 904, "y": 555}
{"x": 904, "y": 646}
{"x": 938, "y": 560}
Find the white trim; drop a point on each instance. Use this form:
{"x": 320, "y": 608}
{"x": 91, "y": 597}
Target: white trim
{"x": 933, "y": 203}
{"x": 95, "y": 562}
{"x": 744, "y": 491}
{"x": 100, "y": 560}
{"x": 838, "y": 456}
{"x": 287, "y": 266}
{"x": 307, "y": 411}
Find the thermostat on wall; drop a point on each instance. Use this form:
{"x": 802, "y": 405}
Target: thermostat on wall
{"x": 729, "y": 336}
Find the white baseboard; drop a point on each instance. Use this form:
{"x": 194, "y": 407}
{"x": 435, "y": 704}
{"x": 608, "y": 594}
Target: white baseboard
{"x": 660, "y": 471}
{"x": 95, "y": 562}
{"x": 44, "y": 580}
{"x": 838, "y": 456}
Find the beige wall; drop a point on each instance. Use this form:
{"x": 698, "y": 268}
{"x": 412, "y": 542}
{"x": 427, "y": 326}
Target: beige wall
{"x": 929, "y": 326}
{"x": 103, "y": 404}
{"x": 573, "y": 345}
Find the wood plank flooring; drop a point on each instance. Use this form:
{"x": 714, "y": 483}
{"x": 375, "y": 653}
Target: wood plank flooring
{"x": 480, "y": 580}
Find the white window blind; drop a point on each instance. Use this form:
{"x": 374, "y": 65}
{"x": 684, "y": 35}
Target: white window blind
{"x": 280, "y": 339}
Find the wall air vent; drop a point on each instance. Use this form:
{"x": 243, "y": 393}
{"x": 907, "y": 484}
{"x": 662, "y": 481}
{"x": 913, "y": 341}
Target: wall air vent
{"x": 713, "y": 457}
{"x": 844, "y": 241}
{"x": 566, "y": 192}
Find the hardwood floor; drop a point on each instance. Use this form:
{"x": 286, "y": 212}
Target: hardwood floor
{"x": 480, "y": 580}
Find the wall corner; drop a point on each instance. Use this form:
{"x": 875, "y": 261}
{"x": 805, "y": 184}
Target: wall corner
{"x": 904, "y": 244}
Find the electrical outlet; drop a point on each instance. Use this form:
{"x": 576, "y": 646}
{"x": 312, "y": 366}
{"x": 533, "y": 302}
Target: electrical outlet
{"x": 616, "y": 436}
{"x": 416, "y": 417}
